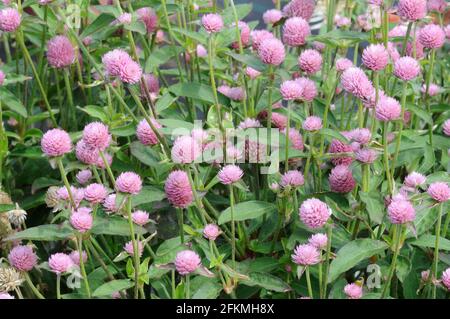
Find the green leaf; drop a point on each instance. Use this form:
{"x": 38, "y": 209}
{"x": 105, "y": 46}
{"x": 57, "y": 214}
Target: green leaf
{"x": 114, "y": 225}
{"x": 12, "y": 102}
{"x": 374, "y": 206}
{"x": 205, "y": 288}
{"x": 136, "y": 26}
{"x": 242, "y": 10}
{"x": 144, "y": 153}
{"x": 107, "y": 289}
{"x": 249, "y": 60}
{"x": 6, "y": 207}
{"x": 266, "y": 281}
{"x": 429, "y": 241}
{"x": 333, "y": 134}
{"x": 247, "y": 210}
{"x": 420, "y": 113}
{"x": 425, "y": 219}
{"x": 197, "y": 36}
{"x": 43, "y": 233}
{"x": 196, "y": 91}
{"x": 148, "y": 194}
{"x": 95, "y": 111}
{"x": 161, "y": 56}
{"x": 102, "y": 21}
{"x": 165, "y": 101}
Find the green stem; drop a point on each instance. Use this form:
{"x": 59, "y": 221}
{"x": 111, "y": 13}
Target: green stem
{"x": 396, "y": 245}
{"x": 400, "y": 130}
{"x": 386, "y": 157}
{"x": 58, "y": 286}
{"x": 108, "y": 168}
{"x": 33, "y": 287}
{"x": 233, "y": 230}
{"x": 72, "y": 113}
{"x": 308, "y": 282}
{"x": 428, "y": 79}
{"x": 436, "y": 248}
{"x": 135, "y": 250}
{"x": 327, "y": 259}
{"x": 62, "y": 171}
{"x": 83, "y": 269}
{"x": 181, "y": 223}
{"x": 288, "y": 127}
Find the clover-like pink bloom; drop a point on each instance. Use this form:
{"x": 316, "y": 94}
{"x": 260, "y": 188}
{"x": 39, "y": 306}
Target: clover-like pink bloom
{"x": 388, "y": 109}
{"x": 110, "y": 204}
{"x": 306, "y": 255}
{"x": 84, "y": 176}
{"x": 353, "y": 291}
{"x": 341, "y": 179}
{"x": 272, "y": 16}
{"x": 60, "y": 263}
{"x": 258, "y": 36}
{"x": 85, "y": 153}
{"x": 290, "y": 90}
{"x": 439, "y": 191}
{"x": 186, "y": 262}
{"x": 82, "y": 219}
{"x": 140, "y": 217}
{"x": 96, "y": 135}
{"x": 299, "y": 8}
{"x": 308, "y": 89}
{"x": 252, "y": 73}
{"x": 129, "y": 248}
{"x": 343, "y": 64}
{"x": 249, "y": 123}
{"x": 114, "y": 61}
{"x": 433, "y": 89}
{"x": 361, "y": 135}
{"x": 22, "y": 258}
{"x": 414, "y": 180}
{"x": 295, "y": 31}
{"x": 56, "y": 142}
{"x": 211, "y": 231}
{"x": 314, "y": 213}
{"x": 148, "y": 16}
{"x": 406, "y": 68}
{"x": 337, "y": 147}
{"x": 446, "y": 278}
{"x": 152, "y": 83}
{"x": 95, "y": 193}
{"x": 75, "y": 256}
{"x": 78, "y": 194}
{"x": 398, "y": 31}
{"x": 235, "y": 93}
{"x": 375, "y": 57}
{"x": 312, "y": 123}
{"x": 245, "y": 34}
{"x": 356, "y": 82}
{"x": 271, "y": 51}
{"x": 401, "y": 211}
{"x": 129, "y": 182}
{"x": 318, "y": 240}
{"x": 5, "y": 295}
{"x": 310, "y": 61}
{"x": 431, "y": 36}
{"x": 366, "y": 155}
{"x": 212, "y": 22}
{"x": 131, "y": 72}
{"x": 292, "y": 178}
{"x": 145, "y": 134}
{"x": 201, "y": 51}
{"x": 412, "y": 10}
{"x": 60, "y": 52}
{"x": 185, "y": 150}
{"x": 341, "y": 21}
{"x": 9, "y": 19}
{"x": 230, "y": 174}
{"x": 295, "y": 138}
{"x": 446, "y": 127}
{"x": 437, "y": 5}
{"x": 178, "y": 189}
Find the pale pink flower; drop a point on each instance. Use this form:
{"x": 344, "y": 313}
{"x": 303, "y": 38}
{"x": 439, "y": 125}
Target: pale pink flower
{"x": 306, "y": 255}
{"x": 343, "y": 64}
{"x": 252, "y": 73}
{"x": 212, "y": 22}
{"x": 308, "y": 89}
{"x": 290, "y": 90}
{"x": 401, "y": 211}
{"x": 152, "y": 83}
{"x": 433, "y": 89}
{"x": 341, "y": 21}
{"x": 75, "y": 256}
{"x": 78, "y": 194}
{"x": 446, "y": 127}
{"x": 394, "y": 55}
{"x": 178, "y": 189}
{"x": 130, "y": 72}
{"x": 9, "y": 19}
{"x": 295, "y": 138}
{"x": 84, "y": 176}
{"x": 310, "y": 61}
{"x": 85, "y": 153}
{"x": 185, "y": 150}
{"x": 271, "y": 51}
{"x": 337, "y": 147}
{"x": 211, "y": 231}
{"x": 353, "y": 291}
{"x": 431, "y": 36}
{"x": 300, "y": 8}
{"x": 129, "y": 182}
{"x": 318, "y": 240}
{"x": 439, "y": 191}
{"x": 186, "y": 262}
{"x": 56, "y": 142}
{"x": 149, "y": 17}
{"x": 101, "y": 164}
{"x": 145, "y": 134}
{"x": 406, "y": 68}
{"x": 5, "y": 295}
{"x": 96, "y": 135}
{"x": 355, "y": 81}
{"x": 412, "y": 10}
{"x": 258, "y": 36}
{"x": 376, "y": 2}
{"x": 361, "y": 135}
{"x": 446, "y": 278}
{"x": 60, "y": 52}
{"x": 22, "y": 258}
{"x": 272, "y": 16}
{"x": 341, "y": 179}
{"x": 201, "y": 51}
{"x": 295, "y": 31}
{"x": 140, "y": 217}
{"x": 314, "y": 213}
{"x": 388, "y": 109}
{"x": 129, "y": 248}
{"x": 230, "y": 174}
{"x": 414, "y": 180}
{"x": 95, "y": 193}
{"x": 292, "y": 179}
{"x": 312, "y": 123}
{"x": 110, "y": 204}
{"x": 2, "y": 77}
{"x": 245, "y": 34}
{"x": 82, "y": 219}
{"x": 249, "y": 123}
{"x": 398, "y": 31}
{"x": 366, "y": 155}
{"x": 319, "y": 46}
{"x": 375, "y": 57}
{"x": 124, "y": 18}
{"x": 60, "y": 263}
{"x": 437, "y": 5}
{"x": 114, "y": 61}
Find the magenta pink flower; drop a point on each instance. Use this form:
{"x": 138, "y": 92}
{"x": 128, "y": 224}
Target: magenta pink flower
{"x": 96, "y": 135}
{"x": 22, "y": 258}
{"x": 185, "y": 150}
{"x": 401, "y": 211}
{"x": 178, "y": 189}
{"x": 446, "y": 278}
{"x": 341, "y": 179}
{"x": 375, "y": 57}
{"x": 319, "y": 241}
{"x": 85, "y": 153}
{"x": 212, "y": 22}
{"x": 271, "y": 51}
{"x": 211, "y": 232}
{"x": 152, "y": 83}
{"x": 414, "y": 180}
{"x": 235, "y": 93}
{"x": 258, "y": 36}
{"x": 145, "y": 134}
{"x": 312, "y": 123}
{"x": 290, "y": 90}
{"x": 439, "y": 191}
{"x": 406, "y": 68}
{"x": 230, "y": 174}
{"x": 114, "y": 61}
{"x": 201, "y": 51}
{"x": 343, "y": 64}
{"x": 75, "y": 256}
{"x": 9, "y": 19}
{"x": 366, "y": 155}
{"x": 249, "y": 123}
{"x": 292, "y": 179}
{"x": 124, "y": 18}
{"x": 412, "y": 10}
{"x": 306, "y": 255}
{"x": 310, "y": 61}
{"x": 149, "y": 17}
{"x": 95, "y": 193}
{"x": 433, "y": 89}
{"x": 299, "y": 8}
{"x": 314, "y": 213}
{"x": 110, "y": 203}
{"x": 56, "y": 142}
{"x": 437, "y": 5}
{"x": 129, "y": 182}
{"x": 446, "y": 127}
{"x": 355, "y": 81}
{"x": 60, "y": 263}
{"x": 245, "y": 34}
{"x": 82, "y": 219}
{"x": 432, "y": 36}
{"x": 84, "y": 176}
{"x": 295, "y": 31}
{"x": 361, "y": 135}
{"x": 272, "y": 16}
{"x": 186, "y": 262}
{"x": 252, "y": 73}
{"x": 2, "y": 77}
{"x": 388, "y": 109}
{"x": 337, "y": 147}
{"x": 78, "y": 194}
{"x": 353, "y": 291}
{"x": 129, "y": 248}
{"x": 140, "y": 217}
{"x": 130, "y": 72}
{"x": 319, "y": 46}
{"x": 295, "y": 138}
{"x": 308, "y": 89}
{"x": 60, "y": 52}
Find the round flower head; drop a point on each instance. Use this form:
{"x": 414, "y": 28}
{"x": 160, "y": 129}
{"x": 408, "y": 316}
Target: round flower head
{"x": 290, "y": 90}
{"x": 446, "y": 127}
{"x": 129, "y": 182}
{"x": 124, "y": 18}
{"x": 249, "y": 123}
{"x": 292, "y": 179}
{"x": 433, "y": 89}
{"x": 101, "y": 164}
{"x": 272, "y": 16}
{"x": 178, "y": 189}
{"x": 130, "y": 72}
{"x": 398, "y": 31}
{"x": 60, "y": 52}
{"x": 295, "y": 31}
{"x": 394, "y": 55}
{"x": 401, "y": 211}
{"x": 446, "y": 278}
{"x": 9, "y": 19}
{"x": 312, "y": 123}
{"x": 140, "y": 217}
{"x": 84, "y": 176}
{"x": 366, "y": 155}
{"x": 412, "y": 10}
{"x": 341, "y": 21}
{"x": 341, "y": 179}
{"x": 319, "y": 46}
{"x": 201, "y": 51}
{"x": 81, "y": 219}
{"x": 149, "y": 18}
{"x": 300, "y": 8}
{"x": 2, "y": 77}
{"x": 308, "y": 89}
{"x": 78, "y": 194}
{"x": 361, "y": 135}
{"x": 152, "y": 83}
{"x": 211, "y": 231}
{"x": 85, "y": 153}
{"x": 75, "y": 256}
{"x": 200, "y": 135}
{"x": 306, "y": 255}
{"x": 230, "y": 174}
{"x": 110, "y": 203}
{"x": 96, "y": 135}
{"x": 129, "y": 248}
{"x": 388, "y": 109}
{"x": 258, "y": 36}
{"x": 375, "y": 57}
{"x": 22, "y": 258}
{"x": 114, "y": 61}
{"x": 212, "y": 22}
{"x": 439, "y": 191}
{"x": 314, "y": 213}
{"x": 343, "y": 64}
{"x": 437, "y": 5}
{"x": 355, "y": 81}
{"x": 310, "y": 61}
{"x": 95, "y": 193}
{"x": 353, "y": 291}
{"x": 186, "y": 262}
{"x": 432, "y": 36}
{"x": 414, "y": 180}
{"x": 295, "y": 139}
{"x": 185, "y": 150}
{"x": 5, "y": 295}
{"x": 318, "y": 240}
{"x": 145, "y": 134}
{"x": 252, "y": 73}
{"x": 235, "y": 93}
{"x": 245, "y": 34}
{"x": 406, "y": 68}
{"x": 337, "y": 147}
{"x": 60, "y": 263}
{"x": 56, "y": 142}
{"x": 271, "y": 51}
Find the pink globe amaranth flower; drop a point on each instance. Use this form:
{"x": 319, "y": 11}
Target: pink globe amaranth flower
{"x": 114, "y": 61}
{"x": 186, "y": 262}
{"x": 95, "y": 193}
{"x": 56, "y": 142}
{"x": 249, "y": 123}
{"x": 439, "y": 191}
{"x": 410, "y": 46}
{"x": 299, "y": 8}
{"x": 412, "y": 10}
{"x": 318, "y": 240}
{"x": 124, "y": 18}
{"x": 211, "y": 232}
{"x": 140, "y": 217}
{"x": 312, "y": 123}
{"x": 394, "y": 55}
{"x": 337, "y": 147}
{"x": 60, "y": 263}
{"x": 290, "y": 90}
{"x": 110, "y": 203}
{"x": 230, "y": 174}
{"x": 361, "y": 135}
{"x": 245, "y": 34}
{"x": 437, "y": 5}
{"x": 310, "y": 61}
{"x": 398, "y": 31}
{"x": 366, "y": 155}
{"x": 341, "y": 179}
{"x": 87, "y": 41}
{"x": 235, "y": 93}
{"x": 306, "y": 255}
{"x": 9, "y": 19}
{"x": 145, "y": 134}
{"x": 446, "y": 278}
{"x": 178, "y": 189}
{"x": 2, "y": 77}
{"x": 431, "y": 36}
{"x": 149, "y": 18}
{"x": 152, "y": 83}
{"x": 353, "y": 291}
{"x": 388, "y": 109}
{"x": 446, "y": 127}
{"x": 60, "y": 52}
{"x": 22, "y": 258}
{"x": 433, "y": 89}
{"x": 82, "y": 219}
{"x": 101, "y": 164}
{"x": 78, "y": 194}
{"x": 85, "y": 153}
{"x": 201, "y": 51}
{"x": 271, "y": 51}
{"x": 295, "y": 31}
{"x": 341, "y": 21}
{"x": 406, "y": 68}
{"x": 292, "y": 178}
{"x": 252, "y": 73}
{"x": 129, "y": 182}
{"x": 414, "y": 180}
{"x": 314, "y": 213}
{"x": 319, "y": 46}
{"x": 308, "y": 89}
{"x": 84, "y": 176}
{"x": 272, "y": 16}
{"x": 258, "y": 36}
{"x": 75, "y": 256}
{"x": 96, "y": 135}
{"x": 185, "y": 150}
{"x": 295, "y": 138}
{"x": 129, "y": 248}
{"x": 343, "y": 64}
{"x": 131, "y": 72}
{"x": 355, "y": 81}
{"x": 401, "y": 211}
{"x": 375, "y": 57}
{"x": 5, "y": 295}
{"x": 212, "y": 22}
{"x": 424, "y": 275}
{"x": 200, "y": 135}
